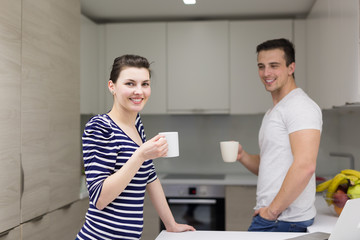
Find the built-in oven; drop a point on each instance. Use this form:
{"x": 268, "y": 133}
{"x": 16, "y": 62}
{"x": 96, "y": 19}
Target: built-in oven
{"x": 200, "y": 205}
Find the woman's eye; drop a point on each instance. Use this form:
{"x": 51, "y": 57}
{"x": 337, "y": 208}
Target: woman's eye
{"x": 146, "y": 84}
{"x": 129, "y": 84}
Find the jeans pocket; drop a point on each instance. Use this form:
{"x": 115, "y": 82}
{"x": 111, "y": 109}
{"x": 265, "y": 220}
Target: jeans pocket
{"x": 261, "y": 224}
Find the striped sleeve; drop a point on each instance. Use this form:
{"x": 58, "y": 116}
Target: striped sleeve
{"x": 98, "y": 155}
{"x": 140, "y": 127}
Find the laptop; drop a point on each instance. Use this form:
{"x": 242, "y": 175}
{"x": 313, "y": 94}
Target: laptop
{"x": 347, "y": 226}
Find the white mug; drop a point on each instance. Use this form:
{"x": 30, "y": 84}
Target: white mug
{"x": 229, "y": 150}
{"x": 172, "y": 139}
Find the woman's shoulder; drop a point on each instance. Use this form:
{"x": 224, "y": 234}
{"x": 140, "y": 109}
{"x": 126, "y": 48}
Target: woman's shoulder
{"x": 99, "y": 122}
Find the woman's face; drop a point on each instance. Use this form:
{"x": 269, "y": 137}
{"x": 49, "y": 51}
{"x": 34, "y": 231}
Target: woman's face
{"x": 132, "y": 89}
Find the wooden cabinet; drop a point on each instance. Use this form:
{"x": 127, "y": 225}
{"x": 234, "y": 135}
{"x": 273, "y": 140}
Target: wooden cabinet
{"x": 333, "y": 53}
{"x": 198, "y": 67}
{"x": 10, "y": 78}
{"x": 151, "y": 220}
{"x": 50, "y": 105}
{"x": 61, "y": 224}
{"x": 247, "y": 93}
{"x": 239, "y": 207}
{"x": 147, "y": 40}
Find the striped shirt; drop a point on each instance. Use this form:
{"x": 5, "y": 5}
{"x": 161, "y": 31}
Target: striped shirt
{"x": 106, "y": 148}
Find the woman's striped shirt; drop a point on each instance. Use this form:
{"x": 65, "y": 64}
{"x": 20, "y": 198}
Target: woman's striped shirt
{"x": 106, "y": 148}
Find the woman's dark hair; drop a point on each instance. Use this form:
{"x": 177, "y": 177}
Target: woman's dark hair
{"x": 282, "y": 44}
{"x": 125, "y": 61}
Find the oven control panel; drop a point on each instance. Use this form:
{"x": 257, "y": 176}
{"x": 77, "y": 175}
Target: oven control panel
{"x": 182, "y": 190}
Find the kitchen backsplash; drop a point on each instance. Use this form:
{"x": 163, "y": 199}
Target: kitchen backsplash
{"x": 199, "y": 137}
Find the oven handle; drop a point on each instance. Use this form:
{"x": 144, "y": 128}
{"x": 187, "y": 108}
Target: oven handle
{"x": 191, "y": 201}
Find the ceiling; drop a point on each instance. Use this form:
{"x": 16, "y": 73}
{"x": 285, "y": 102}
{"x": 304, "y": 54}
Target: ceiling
{"x": 103, "y": 11}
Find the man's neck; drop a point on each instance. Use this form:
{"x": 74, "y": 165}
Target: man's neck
{"x": 282, "y": 92}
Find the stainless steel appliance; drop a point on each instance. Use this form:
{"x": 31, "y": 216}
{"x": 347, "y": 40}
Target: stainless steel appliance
{"x": 199, "y": 205}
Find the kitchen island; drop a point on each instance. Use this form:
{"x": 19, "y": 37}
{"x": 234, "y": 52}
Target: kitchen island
{"x": 228, "y": 235}
{"x": 325, "y": 221}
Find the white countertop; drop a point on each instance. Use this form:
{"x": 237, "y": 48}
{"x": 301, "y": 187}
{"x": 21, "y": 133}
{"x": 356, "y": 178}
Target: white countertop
{"x": 246, "y": 179}
{"x": 325, "y": 221}
{"x": 216, "y": 235}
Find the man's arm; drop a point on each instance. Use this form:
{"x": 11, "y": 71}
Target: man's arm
{"x": 305, "y": 147}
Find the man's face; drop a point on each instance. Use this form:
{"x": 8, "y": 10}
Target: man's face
{"x": 273, "y": 72}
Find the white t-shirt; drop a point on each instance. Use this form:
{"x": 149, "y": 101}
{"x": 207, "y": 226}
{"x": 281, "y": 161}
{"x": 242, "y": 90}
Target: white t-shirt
{"x": 296, "y": 111}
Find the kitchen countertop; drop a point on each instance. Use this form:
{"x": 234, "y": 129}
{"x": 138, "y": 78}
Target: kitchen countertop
{"x": 228, "y": 235}
{"x": 325, "y": 221}
{"x": 245, "y": 179}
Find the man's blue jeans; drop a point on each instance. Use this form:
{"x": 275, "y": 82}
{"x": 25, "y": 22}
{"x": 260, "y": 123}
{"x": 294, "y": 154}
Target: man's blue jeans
{"x": 260, "y": 224}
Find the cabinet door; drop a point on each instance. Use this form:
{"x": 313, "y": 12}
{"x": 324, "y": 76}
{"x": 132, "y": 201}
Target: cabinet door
{"x": 36, "y": 229}
{"x": 248, "y": 95}
{"x": 50, "y": 105}
{"x": 10, "y": 77}
{"x": 64, "y": 103}
{"x": 64, "y": 222}
{"x": 239, "y": 204}
{"x": 151, "y": 220}
{"x": 333, "y": 53}
{"x": 198, "y": 67}
{"x": 147, "y": 40}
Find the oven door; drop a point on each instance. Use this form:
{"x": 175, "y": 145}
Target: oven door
{"x": 201, "y": 213}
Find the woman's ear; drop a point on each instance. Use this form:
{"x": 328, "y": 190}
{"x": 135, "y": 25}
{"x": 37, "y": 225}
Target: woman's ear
{"x": 111, "y": 87}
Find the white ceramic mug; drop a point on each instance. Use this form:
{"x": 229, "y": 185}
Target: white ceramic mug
{"x": 172, "y": 139}
{"x": 229, "y": 150}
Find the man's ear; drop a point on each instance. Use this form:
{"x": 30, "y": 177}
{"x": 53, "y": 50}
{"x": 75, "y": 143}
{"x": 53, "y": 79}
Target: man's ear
{"x": 291, "y": 68}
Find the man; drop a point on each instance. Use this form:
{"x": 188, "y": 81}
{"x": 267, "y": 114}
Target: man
{"x": 289, "y": 140}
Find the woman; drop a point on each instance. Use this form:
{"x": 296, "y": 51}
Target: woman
{"x": 118, "y": 161}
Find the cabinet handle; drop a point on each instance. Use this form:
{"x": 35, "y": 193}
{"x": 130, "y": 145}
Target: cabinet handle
{"x": 36, "y": 219}
{"x": 5, "y": 233}
{"x": 22, "y": 178}
{"x": 66, "y": 206}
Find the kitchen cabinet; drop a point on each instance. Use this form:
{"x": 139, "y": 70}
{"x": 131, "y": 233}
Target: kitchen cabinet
{"x": 50, "y": 105}
{"x": 90, "y": 67}
{"x": 10, "y": 78}
{"x": 239, "y": 207}
{"x": 333, "y": 52}
{"x": 247, "y": 93}
{"x": 61, "y": 224}
{"x": 198, "y": 67}
{"x": 147, "y": 40}
{"x": 151, "y": 220}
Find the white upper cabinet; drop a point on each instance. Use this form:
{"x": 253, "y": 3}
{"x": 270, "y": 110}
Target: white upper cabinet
{"x": 247, "y": 94}
{"x": 333, "y": 52}
{"x": 198, "y": 67}
{"x": 144, "y": 39}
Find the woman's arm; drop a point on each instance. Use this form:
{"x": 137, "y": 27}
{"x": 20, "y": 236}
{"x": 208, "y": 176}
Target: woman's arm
{"x": 117, "y": 182}
{"x": 157, "y": 196}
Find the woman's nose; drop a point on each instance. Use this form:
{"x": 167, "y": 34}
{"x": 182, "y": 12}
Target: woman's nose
{"x": 138, "y": 90}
